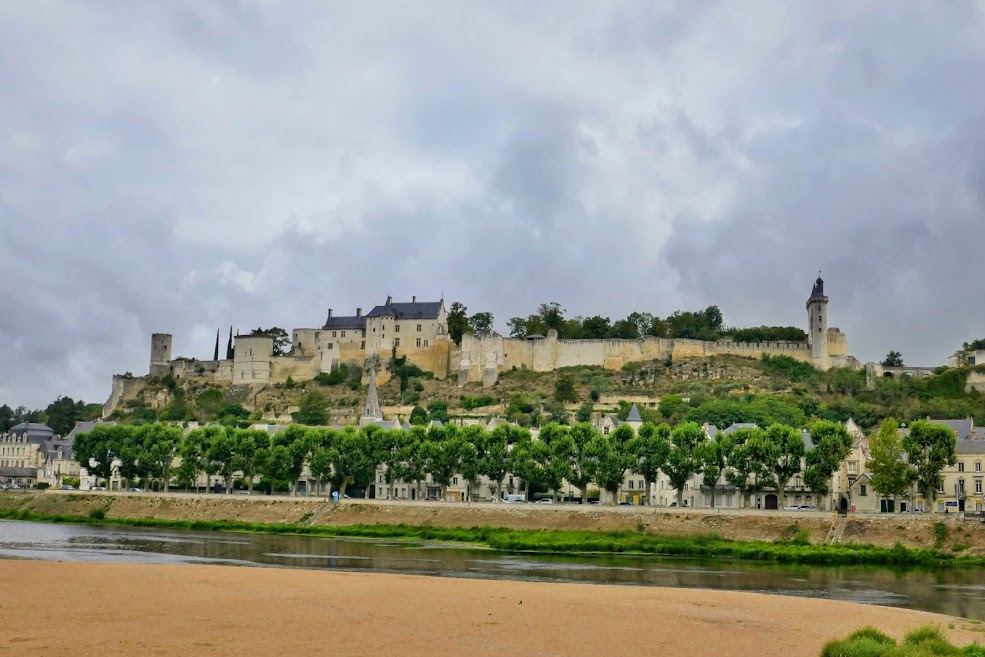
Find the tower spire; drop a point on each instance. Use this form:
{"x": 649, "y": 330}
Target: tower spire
{"x": 371, "y": 409}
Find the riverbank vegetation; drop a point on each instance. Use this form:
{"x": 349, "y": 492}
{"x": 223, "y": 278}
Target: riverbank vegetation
{"x": 926, "y": 641}
{"x": 794, "y": 550}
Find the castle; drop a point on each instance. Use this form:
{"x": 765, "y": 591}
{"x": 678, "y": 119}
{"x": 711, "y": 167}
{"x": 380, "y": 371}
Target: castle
{"x": 418, "y": 330}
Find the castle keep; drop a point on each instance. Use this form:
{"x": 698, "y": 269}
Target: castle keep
{"x": 418, "y": 330}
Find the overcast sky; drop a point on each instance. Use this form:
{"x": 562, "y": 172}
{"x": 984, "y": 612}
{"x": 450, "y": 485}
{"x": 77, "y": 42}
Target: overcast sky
{"x": 183, "y": 166}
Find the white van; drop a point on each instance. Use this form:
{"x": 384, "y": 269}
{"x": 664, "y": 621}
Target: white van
{"x": 515, "y": 499}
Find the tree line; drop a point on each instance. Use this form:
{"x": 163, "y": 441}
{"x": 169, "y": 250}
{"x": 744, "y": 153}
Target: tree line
{"x": 748, "y": 459}
{"x": 61, "y": 415}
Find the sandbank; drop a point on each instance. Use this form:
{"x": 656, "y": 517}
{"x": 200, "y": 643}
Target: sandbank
{"x": 125, "y": 609}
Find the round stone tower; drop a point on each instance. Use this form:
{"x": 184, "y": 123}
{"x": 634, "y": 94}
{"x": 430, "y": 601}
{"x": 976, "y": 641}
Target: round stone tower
{"x": 817, "y": 322}
{"x": 160, "y": 354}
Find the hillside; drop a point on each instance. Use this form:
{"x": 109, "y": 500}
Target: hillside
{"x": 719, "y": 390}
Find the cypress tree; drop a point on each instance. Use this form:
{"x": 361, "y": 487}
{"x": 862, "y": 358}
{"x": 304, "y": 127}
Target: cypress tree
{"x": 229, "y": 345}
{"x": 216, "y": 355}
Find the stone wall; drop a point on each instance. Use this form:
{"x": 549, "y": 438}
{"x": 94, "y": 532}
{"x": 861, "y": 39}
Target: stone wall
{"x": 483, "y": 357}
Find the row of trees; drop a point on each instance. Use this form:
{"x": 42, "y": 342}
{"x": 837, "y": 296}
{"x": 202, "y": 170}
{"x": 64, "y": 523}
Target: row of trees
{"x": 748, "y": 459}
{"x": 707, "y": 324}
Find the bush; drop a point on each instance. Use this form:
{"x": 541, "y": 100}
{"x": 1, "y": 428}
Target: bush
{"x": 469, "y": 403}
{"x": 42, "y": 485}
{"x": 926, "y": 641}
{"x": 333, "y": 378}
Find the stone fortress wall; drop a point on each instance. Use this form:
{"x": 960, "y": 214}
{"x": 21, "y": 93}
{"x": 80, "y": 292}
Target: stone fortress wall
{"x": 484, "y": 357}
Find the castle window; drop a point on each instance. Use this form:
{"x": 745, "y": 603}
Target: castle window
{"x": 335, "y": 334}
{"x": 425, "y": 342}
{"x": 960, "y": 466}
{"x": 396, "y": 342}
{"x": 331, "y": 345}
{"x": 362, "y": 345}
{"x": 978, "y": 466}
{"x": 418, "y": 328}
{"x": 343, "y": 334}
{"x": 862, "y": 490}
{"x": 398, "y": 328}
{"x": 418, "y": 342}
{"x": 978, "y": 486}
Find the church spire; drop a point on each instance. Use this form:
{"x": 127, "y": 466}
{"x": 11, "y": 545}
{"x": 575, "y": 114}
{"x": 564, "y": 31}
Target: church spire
{"x": 371, "y": 409}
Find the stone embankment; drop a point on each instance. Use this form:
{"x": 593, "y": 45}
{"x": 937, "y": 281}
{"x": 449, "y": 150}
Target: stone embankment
{"x": 944, "y": 531}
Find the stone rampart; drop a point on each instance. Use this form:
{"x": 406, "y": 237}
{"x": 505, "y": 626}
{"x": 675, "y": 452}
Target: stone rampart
{"x": 483, "y": 357}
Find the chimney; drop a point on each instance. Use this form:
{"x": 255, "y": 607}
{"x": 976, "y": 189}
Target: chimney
{"x": 330, "y": 313}
{"x": 413, "y": 299}
{"x": 389, "y": 300}
{"x": 359, "y": 312}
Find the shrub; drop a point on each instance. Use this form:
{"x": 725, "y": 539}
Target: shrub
{"x": 98, "y": 513}
{"x": 42, "y": 485}
{"x": 333, "y": 378}
{"x": 469, "y": 403}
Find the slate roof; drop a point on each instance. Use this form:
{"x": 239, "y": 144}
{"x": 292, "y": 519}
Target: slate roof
{"x": 818, "y": 291}
{"x": 35, "y": 432}
{"x": 52, "y": 447}
{"x": 415, "y": 310}
{"x": 18, "y": 472}
{"x": 710, "y": 430}
{"x": 85, "y": 427}
{"x": 964, "y": 428}
{"x": 634, "y": 415}
{"x": 344, "y": 323}
{"x": 970, "y": 446}
{"x": 739, "y": 425}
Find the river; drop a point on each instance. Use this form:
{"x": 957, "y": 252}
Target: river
{"x": 955, "y": 591}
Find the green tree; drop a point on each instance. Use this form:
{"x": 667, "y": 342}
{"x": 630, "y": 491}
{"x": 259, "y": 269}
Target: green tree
{"x": 893, "y": 359}
{"x": 282, "y": 341}
{"x": 786, "y": 456}
{"x": 672, "y": 406}
{"x": 585, "y": 412}
{"x": 564, "y": 389}
{"x": 745, "y": 469}
{"x": 6, "y": 418}
{"x": 714, "y": 455}
{"x": 517, "y": 327}
{"x": 313, "y": 409}
{"x": 458, "y": 322}
{"x": 96, "y": 449}
{"x": 248, "y": 444}
{"x": 438, "y": 411}
{"x": 481, "y": 323}
{"x": 683, "y": 457}
{"x": 929, "y": 447}
{"x": 418, "y": 416}
{"x": 648, "y": 452}
{"x": 891, "y": 475}
{"x": 830, "y": 445}
{"x": 596, "y": 328}
{"x": 607, "y": 463}
{"x": 352, "y": 461}
{"x": 160, "y": 447}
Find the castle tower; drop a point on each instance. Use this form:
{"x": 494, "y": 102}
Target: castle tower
{"x": 817, "y": 323}
{"x": 371, "y": 409}
{"x": 160, "y": 354}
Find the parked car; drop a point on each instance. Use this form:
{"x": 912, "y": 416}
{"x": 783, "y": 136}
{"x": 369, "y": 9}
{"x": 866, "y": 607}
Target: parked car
{"x": 793, "y": 507}
{"x": 68, "y": 488}
{"x": 431, "y": 498}
{"x": 136, "y": 490}
{"x": 595, "y": 503}
{"x": 545, "y": 500}
{"x": 626, "y": 504}
{"x": 808, "y": 507}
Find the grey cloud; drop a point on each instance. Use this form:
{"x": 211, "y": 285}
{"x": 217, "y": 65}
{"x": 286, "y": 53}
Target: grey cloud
{"x": 180, "y": 167}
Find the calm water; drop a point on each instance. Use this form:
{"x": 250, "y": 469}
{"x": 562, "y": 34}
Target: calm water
{"x": 959, "y": 592}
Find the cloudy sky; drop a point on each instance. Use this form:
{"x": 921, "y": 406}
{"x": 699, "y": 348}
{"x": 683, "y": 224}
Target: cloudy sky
{"x": 182, "y": 166}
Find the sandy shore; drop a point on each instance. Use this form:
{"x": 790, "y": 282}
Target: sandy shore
{"x": 116, "y": 609}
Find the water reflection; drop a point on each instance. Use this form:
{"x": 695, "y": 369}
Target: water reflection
{"x": 959, "y": 592}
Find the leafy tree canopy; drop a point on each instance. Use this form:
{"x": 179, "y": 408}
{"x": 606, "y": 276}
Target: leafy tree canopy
{"x": 282, "y": 341}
